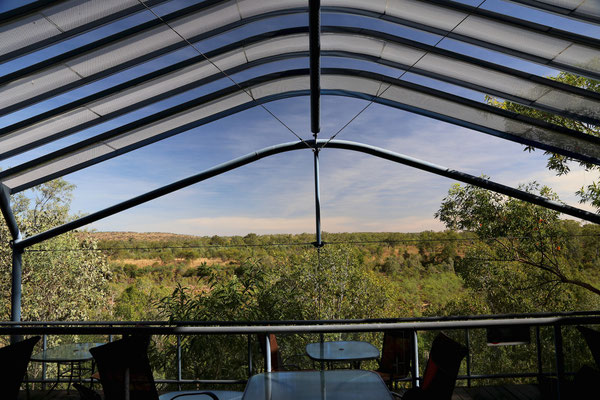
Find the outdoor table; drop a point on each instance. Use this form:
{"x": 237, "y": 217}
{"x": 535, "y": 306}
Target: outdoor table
{"x": 342, "y": 351}
{"x": 343, "y": 384}
{"x": 71, "y": 354}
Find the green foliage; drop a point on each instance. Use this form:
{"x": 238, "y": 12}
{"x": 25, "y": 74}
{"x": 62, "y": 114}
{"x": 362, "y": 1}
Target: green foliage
{"x": 523, "y": 260}
{"x": 64, "y": 278}
{"x": 556, "y": 162}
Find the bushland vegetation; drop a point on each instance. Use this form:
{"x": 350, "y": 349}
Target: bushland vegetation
{"x": 498, "y": 255}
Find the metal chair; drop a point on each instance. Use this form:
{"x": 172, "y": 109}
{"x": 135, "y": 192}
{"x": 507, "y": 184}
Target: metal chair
{"x": 125, "y": 372}
{"x": 441, "y": 371}
{"x": 276, "y": 360}
{"x": 14, "y": 360}
{"x": 396, "y": 356}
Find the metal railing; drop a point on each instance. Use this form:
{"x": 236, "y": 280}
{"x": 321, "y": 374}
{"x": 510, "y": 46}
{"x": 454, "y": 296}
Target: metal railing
{"x": 468, "y": 324}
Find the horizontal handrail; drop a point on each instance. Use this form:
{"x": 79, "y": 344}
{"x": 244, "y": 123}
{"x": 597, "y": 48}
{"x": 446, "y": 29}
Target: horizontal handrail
{"x": 249, "y": 328}
{"x": 312, "y": 322}
{"x": 298, "y": 328}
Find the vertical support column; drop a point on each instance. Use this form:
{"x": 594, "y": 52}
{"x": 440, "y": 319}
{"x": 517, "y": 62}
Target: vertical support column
{"x": 314, "y": 35}
{"x": 17, "y": 258}
{"x": 415, "y": 369}
{"x": 179, "y": 372}
{"x": 538, "y": 345}
{"x": 267, "y": 353}
{"x": 249, "y": 356}
{"x": 560, "y": 359}
{"x": 468, "y": 345}
{"x": 15, "y": 296}
{"x": 319, "y": 242}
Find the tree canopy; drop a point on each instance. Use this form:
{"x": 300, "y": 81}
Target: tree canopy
{"x": 525, "y": 258}
{"x": 64, "y": 278}
{"x": 556, "y": 162}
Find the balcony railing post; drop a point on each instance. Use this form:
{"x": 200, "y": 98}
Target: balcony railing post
{"x": 321, "y": 340}
{"x": 249, "y": 356}
{"x": 267, "y": 353}
{"x": 44, "y": 367}
{"x": 179, "y": 375}
{"x": 560, "y": 358}
{"x": 538, "y": 343}
{"x": 468, "y": 358}
{"x": 415, "y": 371}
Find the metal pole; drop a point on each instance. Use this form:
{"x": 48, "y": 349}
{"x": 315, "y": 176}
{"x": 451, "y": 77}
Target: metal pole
{"x": 538, "y": 344}
{"x": 249, "y": 356}
{"x": 318, "y": 243}
{"x": 9, "y": 217}
{"x": 468, "y": 343}
{"x": 560, "y": 359}
{"x": 44, "y": 367}
{"x": 179, "y": 362}
{"x": 17, "y": 259}
{"x": 15, "y": 296}
{"x": 415, "y": 371}
{"x": 267, "y": 353}
{"x": 314, "y": 34}
{"x": 321, "y": 340}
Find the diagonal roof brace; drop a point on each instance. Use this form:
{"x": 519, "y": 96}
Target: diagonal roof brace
{"x": 285, "y": 147}
{"x": 7, "y": 212}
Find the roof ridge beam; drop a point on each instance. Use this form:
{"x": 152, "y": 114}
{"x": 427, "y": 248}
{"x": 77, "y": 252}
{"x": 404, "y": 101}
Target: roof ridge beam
{"x": 314, "y": 36}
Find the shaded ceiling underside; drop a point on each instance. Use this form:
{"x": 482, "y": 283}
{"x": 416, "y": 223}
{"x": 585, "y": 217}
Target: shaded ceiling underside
{"x": 68, "y": 66}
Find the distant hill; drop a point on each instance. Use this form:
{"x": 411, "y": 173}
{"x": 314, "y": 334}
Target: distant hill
{"x": 137, "y": 236}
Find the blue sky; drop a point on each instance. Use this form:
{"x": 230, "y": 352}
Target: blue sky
{"x": 276, "y": 195}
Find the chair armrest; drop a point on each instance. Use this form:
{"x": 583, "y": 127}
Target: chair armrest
{"x": 209, "y": 394}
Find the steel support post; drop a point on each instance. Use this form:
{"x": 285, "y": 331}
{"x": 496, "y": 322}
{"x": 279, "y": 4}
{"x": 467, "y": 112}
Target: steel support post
{"x": 249, "y": 356}
{"x": 468, "y": 358}
{"x": 15, "y": 295}
{"x": 179, "y": 372}
{"x": 319, "y": 241}
{"x": 560, "y": 359}
{"x": 415, "y": 369}
{"x": 538, "y": 344}
{"x": 267, "y": 353}
{"x": 17, "y": 258}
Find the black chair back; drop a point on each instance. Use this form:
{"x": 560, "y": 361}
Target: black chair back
{"x": 442, "y": 368}
{"x": 592, "y": 338}
{"x": 14, "y": 360}
{"x": 124, "y": 367}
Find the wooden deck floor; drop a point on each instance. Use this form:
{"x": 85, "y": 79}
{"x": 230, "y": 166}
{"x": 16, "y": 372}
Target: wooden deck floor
{"x": 506, "y": 392}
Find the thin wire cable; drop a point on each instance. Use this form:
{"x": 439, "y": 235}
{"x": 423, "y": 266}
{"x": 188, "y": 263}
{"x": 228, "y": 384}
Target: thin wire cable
{"x": 225, "y": 74}
{"x": 311, "y": 244}
{"x": 400, "y": 77}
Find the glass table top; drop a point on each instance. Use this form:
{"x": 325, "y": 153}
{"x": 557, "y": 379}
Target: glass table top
{"x": 342, "y": 351}
{"x": 66, "y": 352}
{"x": 317, "y": 385}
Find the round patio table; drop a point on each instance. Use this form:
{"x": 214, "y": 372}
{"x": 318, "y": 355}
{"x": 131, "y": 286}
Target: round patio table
{"x": 342, "y": 351}
{"x": 74, "y": 355}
